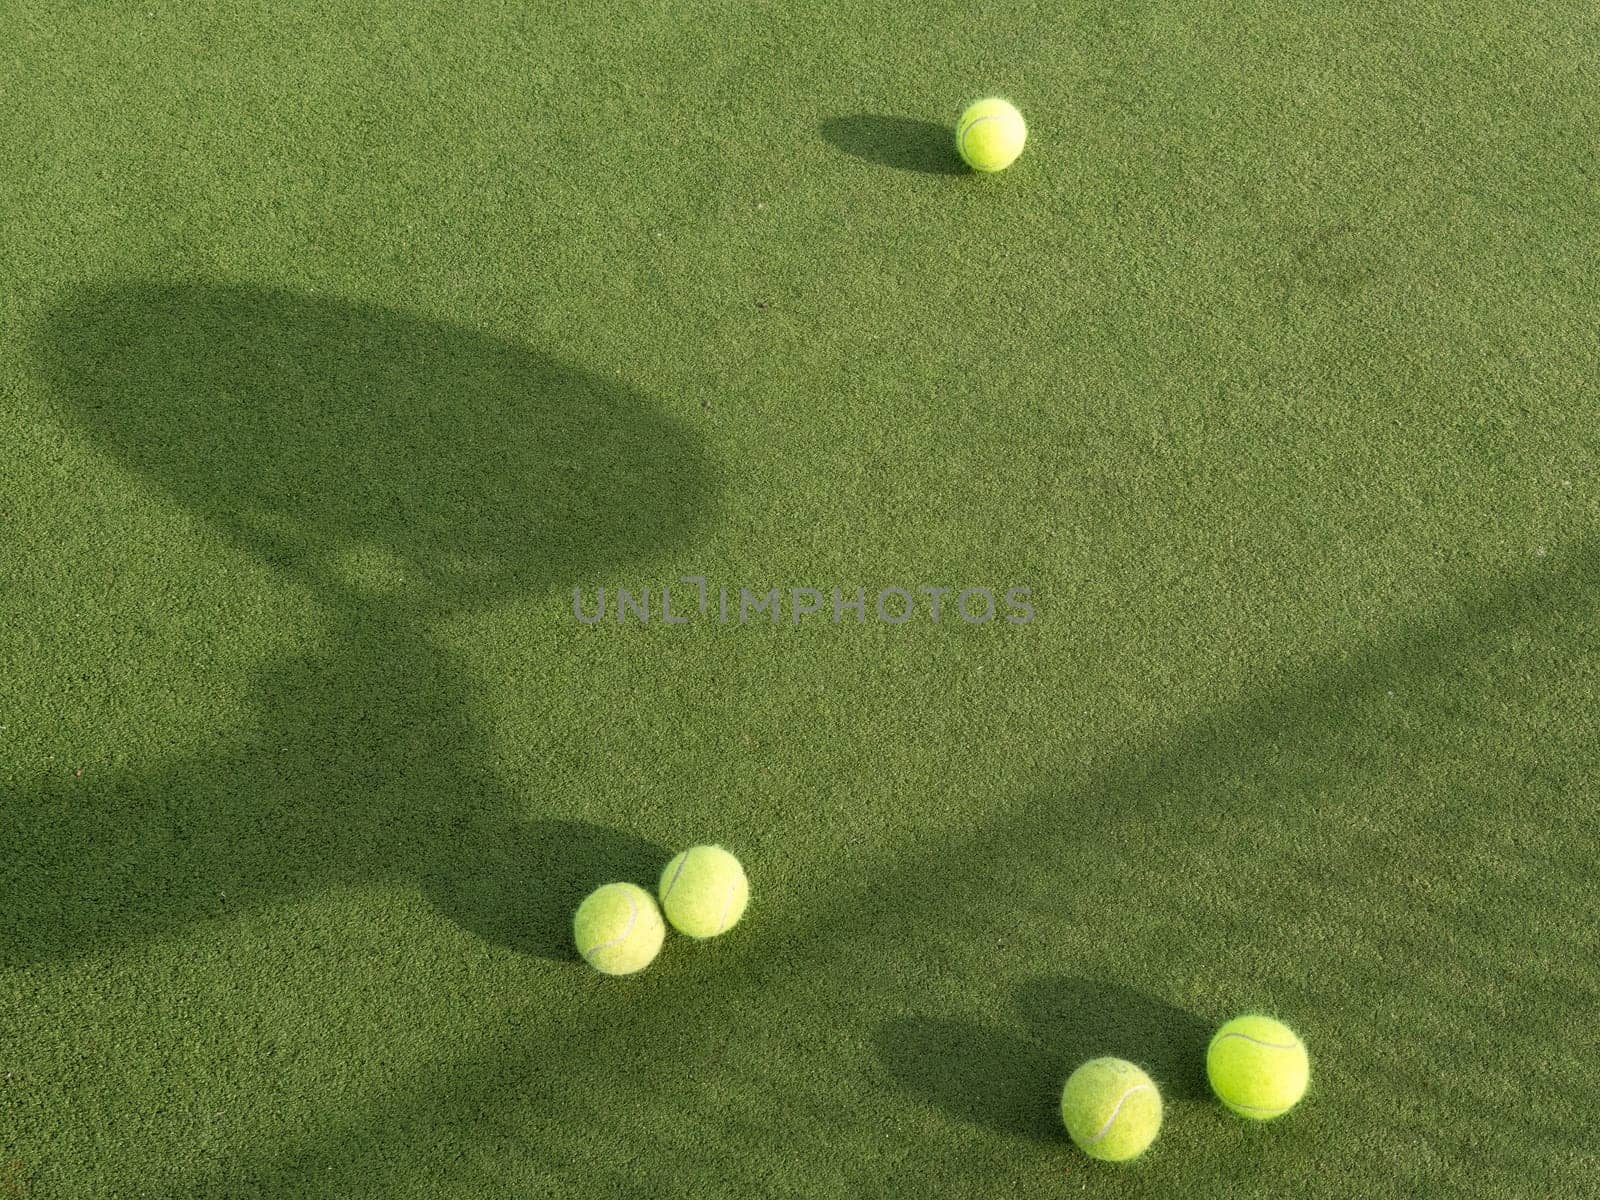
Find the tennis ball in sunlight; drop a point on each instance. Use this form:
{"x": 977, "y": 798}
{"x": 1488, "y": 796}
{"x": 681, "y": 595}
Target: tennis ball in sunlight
{"x": 618, "y": 929}
{"x": 1257, "y": 1067}
{"x": 990, "y": 135}
{"x": 704, "y": 891}
{"x": 1111, "y": 1109}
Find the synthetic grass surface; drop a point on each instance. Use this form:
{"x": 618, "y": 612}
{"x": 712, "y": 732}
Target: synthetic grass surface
{"x": 340, "y": 342}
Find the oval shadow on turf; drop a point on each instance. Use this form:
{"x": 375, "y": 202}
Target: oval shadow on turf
{"x": 904, "y": 143}
{"x": 394, "y": 462}
{"x": 525, "y": 884}
{"x": 1010, "y": 1082}
{"x": 1080, "y": 1019}
{"x": 981, "y": 1076}
{"x": 401, "y": 470}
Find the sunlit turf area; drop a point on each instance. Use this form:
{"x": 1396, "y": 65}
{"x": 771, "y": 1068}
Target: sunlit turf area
{"x": 356, "y": 358}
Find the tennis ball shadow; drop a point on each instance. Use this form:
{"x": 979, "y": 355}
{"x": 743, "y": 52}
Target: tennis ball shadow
{"x": 1082, "y": 1019}
{"x": 402, "y": 469}
{"x": 904, "y": 143}
{"x": 1011, "y": 1082}
{"x": 533, "y": 876}
{"x": 981, "y": 1076}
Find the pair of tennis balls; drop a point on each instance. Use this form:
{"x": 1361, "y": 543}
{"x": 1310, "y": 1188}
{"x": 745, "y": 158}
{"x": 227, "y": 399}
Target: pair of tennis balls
{"x": 618, "y": 928}
{"x": 1257, "y": 1066}
{"x": 990, "y": 135}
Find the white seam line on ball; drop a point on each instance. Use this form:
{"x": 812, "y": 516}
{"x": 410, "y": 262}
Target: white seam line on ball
{"x": 633, "y": 915}
{"x": 969, "y": 128}
{"x": 683, "y": 861}
{"x": 1257, "y": 1041}
{"x": 1121, "y": 1100}
{"x": 1258, "y": 1108}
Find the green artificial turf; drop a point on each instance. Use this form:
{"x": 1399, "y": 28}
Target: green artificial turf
{"x": 340, "y": 341}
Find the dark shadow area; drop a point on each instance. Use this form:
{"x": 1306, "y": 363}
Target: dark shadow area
{"x": 1244, "y": 785}
{"x": 904, "y": 143}
{"x": 1012, "y": 1083}
{"x": 465, "y": 469}
{"x": 976, "y": 1074}
{"x": 1080, "y": 1019}
{"x": 1247, "y": 761}
{"x": 404, "y": 469}
{"x": 524, "y": 891}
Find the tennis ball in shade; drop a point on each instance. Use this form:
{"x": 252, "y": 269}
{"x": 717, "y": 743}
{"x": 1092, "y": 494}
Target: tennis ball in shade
{"x": 1111, "y": 1109}
{"x": 1257, "y": 1067}
{"x": 704, "y": 891}
{"x": 618, "y": 929}
{"x": 990, "y": 135}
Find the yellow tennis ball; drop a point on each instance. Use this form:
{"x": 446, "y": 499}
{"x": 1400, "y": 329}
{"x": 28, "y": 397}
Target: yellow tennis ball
{"x": 990, "y": 135}
{"x": 618, "y": 929}
{"x": 1111, "y": 1109}
{"x": 704, "y": 891}
{"x": 1258, "y": 1067}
